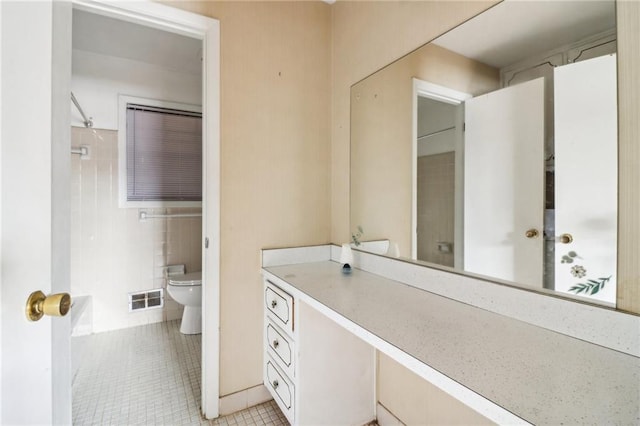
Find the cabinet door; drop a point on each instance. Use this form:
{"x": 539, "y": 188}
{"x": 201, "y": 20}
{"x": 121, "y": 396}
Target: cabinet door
{"x": 504, "y": 183}
{"x": 335, "y": 373}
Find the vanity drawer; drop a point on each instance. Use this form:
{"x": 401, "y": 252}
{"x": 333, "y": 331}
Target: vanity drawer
{"x": 280, "y": 304}
{"x": 280, "y": 347}
{"x": 280, "y": 388}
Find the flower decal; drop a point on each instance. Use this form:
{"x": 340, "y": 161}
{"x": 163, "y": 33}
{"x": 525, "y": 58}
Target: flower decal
{"x": 578, "y": 271}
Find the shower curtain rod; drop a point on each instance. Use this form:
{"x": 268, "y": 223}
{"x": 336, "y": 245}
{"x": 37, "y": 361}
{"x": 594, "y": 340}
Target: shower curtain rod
{"x": 436, "y": 133}
{"x": 88, "y": 122}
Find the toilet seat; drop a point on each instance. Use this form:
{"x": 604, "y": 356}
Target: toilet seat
{"x": 190, "y": 279}
{"x": 186, "y": 289}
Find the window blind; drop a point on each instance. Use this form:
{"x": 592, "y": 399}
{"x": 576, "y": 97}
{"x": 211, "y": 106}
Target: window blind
{"x": 164, "y": 154}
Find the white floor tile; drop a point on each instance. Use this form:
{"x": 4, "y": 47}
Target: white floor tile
{"x": 149, "y": 375}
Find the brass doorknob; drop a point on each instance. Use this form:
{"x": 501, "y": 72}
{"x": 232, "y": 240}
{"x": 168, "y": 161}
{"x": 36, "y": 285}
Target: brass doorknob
{"x": 56, "y": 305}
{"x": 565, "y": 238}
{"x": 532, "y": 233}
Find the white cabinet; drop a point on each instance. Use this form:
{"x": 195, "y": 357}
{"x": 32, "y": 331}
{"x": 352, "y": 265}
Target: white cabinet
{"x": 316, "y": 371}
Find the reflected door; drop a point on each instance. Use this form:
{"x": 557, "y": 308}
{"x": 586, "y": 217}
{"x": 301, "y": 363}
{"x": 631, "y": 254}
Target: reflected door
{"x": 504, "y": 184}
{"x": 586, "y": 177}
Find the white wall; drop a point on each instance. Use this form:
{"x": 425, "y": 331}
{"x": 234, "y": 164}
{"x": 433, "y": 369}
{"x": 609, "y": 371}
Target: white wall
{"x": 112, "y": 252}
{"x": 97, "y": 80}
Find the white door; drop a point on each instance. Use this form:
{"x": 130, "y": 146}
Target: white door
{"x": 504, "y": 183}
{"x": 586, "y": 150}
{"x": 35, "y": 72}
{"x": 35, "y": 75}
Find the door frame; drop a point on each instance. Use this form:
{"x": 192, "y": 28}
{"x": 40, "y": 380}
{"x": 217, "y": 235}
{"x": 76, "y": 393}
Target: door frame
{"x": 207, "y": 29}
{"x": 440, "y": 93}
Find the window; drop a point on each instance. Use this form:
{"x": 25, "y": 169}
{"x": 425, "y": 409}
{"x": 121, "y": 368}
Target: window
{"x": 160, "y": 149}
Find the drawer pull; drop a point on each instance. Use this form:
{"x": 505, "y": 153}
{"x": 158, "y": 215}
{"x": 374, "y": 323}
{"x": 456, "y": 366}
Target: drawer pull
{"x": 276, "y": 343}
{"x": 275, "y": 384}
{"x": 274, "y": 303}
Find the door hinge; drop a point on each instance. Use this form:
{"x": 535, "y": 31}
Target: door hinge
{"x": 206, "y": 242}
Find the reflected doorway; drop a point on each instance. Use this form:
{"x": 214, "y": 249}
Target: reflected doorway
{"x": 436, "y": 181}
{"x": 438, "y": 174}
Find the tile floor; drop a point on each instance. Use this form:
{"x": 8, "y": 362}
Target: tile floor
{"x": 149, "y": 375}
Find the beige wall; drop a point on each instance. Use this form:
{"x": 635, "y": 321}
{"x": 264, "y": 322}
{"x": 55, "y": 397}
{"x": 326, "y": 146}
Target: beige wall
{"x": 628, "y": 20}
{"x": 417, "y": 402}
{"x": 381, "y": 143}
{"x": 275, "y": 156}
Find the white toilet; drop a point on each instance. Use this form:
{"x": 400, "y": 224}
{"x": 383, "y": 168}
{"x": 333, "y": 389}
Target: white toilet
{"x": 186, "y": 289}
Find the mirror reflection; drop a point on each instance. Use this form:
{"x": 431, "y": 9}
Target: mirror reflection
{"x": 493, "y": 149}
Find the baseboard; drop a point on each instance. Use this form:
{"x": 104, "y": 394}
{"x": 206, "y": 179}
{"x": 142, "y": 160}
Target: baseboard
{"x": 385, "y": 418}
{"x": 234, "y": 402}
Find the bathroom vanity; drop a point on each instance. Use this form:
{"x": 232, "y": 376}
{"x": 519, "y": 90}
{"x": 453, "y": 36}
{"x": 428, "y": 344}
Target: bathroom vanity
{"x": 323, "y": 328}
{"x": 318, "y": 372}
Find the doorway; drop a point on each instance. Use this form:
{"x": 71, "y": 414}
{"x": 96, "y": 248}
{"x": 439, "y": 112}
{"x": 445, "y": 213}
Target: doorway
{"x": 436, "y": 181}
{"x": 438, "y": 167}
{"x": 120, "y": 253}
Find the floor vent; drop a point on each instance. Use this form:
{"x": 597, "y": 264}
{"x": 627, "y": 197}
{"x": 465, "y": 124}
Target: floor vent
{"x": 148, "y": 299}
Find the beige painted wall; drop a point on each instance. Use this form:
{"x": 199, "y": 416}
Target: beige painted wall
{"x": 275, "y": 156}
{"x": 382, "y": 140}
{"x": 628, "y": 16}
{"x": 417, "y": 402}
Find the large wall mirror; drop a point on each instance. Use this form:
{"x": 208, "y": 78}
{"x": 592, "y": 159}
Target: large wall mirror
{"x": 492, "y": 149}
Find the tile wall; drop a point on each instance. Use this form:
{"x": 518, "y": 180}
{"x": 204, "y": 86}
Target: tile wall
{"x": 112, "y": 252}
{"x": 436, "y": 191}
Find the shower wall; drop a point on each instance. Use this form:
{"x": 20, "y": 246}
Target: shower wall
{"x": 112, "y": 252}
{"x": 436, "y": 202}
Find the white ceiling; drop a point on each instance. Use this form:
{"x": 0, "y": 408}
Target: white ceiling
{"x": 113, "y": 37}
{"x": 516, "y": 29}
{"x": 501, "y": 36}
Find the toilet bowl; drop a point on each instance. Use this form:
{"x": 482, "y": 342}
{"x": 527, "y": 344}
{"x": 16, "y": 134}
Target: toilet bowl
{"x": 186, "y": 289}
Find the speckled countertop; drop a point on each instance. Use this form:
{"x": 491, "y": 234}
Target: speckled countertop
{"x": 539, "y": 375}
